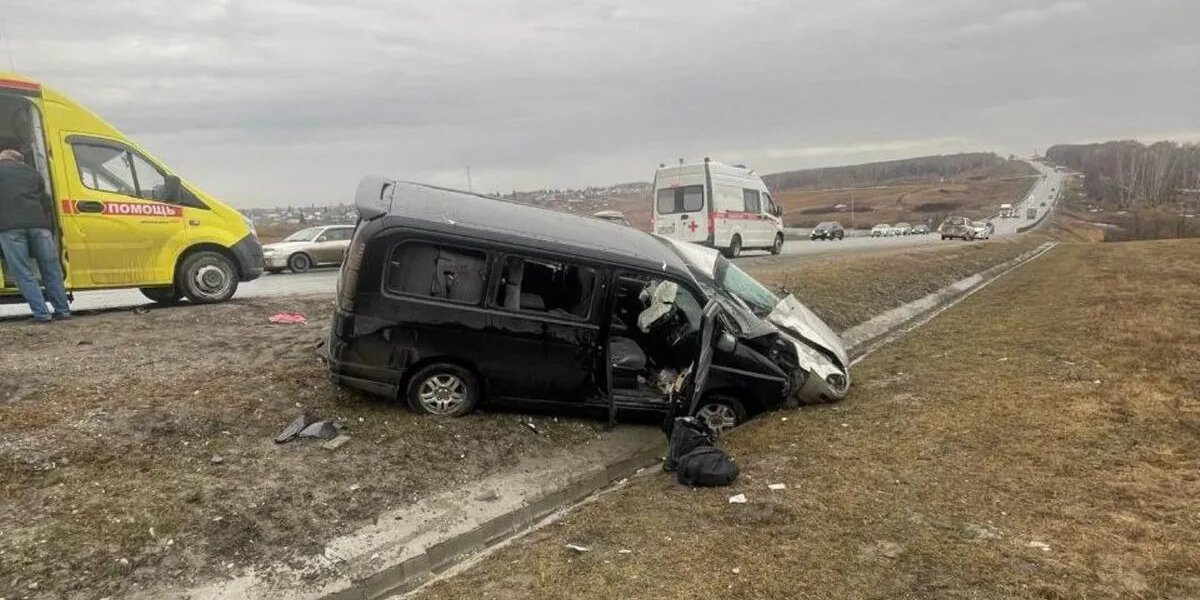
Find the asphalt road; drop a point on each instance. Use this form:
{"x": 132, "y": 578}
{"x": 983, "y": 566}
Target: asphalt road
{"x": 323, "y": 280}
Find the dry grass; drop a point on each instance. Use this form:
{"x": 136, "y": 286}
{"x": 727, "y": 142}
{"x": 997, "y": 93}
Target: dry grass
{"x": 847, "y": 290}
{"x": 1040, "y": 440}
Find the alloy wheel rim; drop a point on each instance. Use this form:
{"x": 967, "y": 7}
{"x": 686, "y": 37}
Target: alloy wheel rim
{"x": 719, "y": 417}
{"x": 442, "y": 394}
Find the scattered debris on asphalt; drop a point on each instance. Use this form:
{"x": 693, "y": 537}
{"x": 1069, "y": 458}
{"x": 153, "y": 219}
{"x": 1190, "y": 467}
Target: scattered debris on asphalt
{"x": 287, "y": 318}
{"x": 738, "y": 499}
{"x": 488, "y": 496}
{"x": 532, "y": 427}
{"x": 217, "y": 459}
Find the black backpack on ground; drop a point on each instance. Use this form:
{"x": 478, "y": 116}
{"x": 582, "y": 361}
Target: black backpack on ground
{"x": 686, "y": 434}
{"x": 706, "y": 466}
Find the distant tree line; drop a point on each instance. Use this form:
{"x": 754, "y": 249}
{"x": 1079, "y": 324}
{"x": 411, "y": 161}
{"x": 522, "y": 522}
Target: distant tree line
{"x": 1129, "y": 174}
{"x": 920, "y": 169}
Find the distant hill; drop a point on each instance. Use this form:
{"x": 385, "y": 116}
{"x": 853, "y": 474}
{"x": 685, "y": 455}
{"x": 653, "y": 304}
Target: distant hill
{"x": 922, "y": 169}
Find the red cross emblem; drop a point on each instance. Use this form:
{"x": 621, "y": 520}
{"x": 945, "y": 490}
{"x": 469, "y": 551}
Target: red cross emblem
{"x": 692, "y": 226}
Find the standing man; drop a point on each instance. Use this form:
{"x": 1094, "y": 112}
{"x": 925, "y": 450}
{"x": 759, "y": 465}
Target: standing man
{"x": 26, "y": 235}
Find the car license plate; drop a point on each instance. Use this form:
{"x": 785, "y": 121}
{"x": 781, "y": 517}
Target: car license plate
{"x": 667, "y": 228}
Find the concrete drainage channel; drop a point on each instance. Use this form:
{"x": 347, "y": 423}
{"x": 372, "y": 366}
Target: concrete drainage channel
{"x": 410, "y": 547}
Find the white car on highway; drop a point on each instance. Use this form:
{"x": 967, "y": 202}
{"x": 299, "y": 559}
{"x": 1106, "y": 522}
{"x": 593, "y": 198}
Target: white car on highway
{"x": 982, "y": 230}
{"x": 882, "y": 230}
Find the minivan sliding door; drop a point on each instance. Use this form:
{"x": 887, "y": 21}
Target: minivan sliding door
{"x": 544, "y": 334}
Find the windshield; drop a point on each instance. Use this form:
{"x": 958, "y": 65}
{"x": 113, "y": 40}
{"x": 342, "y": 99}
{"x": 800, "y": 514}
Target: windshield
{"x": 304, "y": 235}
{"x": 736, "y": 282}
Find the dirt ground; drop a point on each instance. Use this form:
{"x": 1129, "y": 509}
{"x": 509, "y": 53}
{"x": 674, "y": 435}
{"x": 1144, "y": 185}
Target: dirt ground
{"x": 1038, "y": 440}
{"x": 136, "y": 447}
{"x": 111, "y": 423}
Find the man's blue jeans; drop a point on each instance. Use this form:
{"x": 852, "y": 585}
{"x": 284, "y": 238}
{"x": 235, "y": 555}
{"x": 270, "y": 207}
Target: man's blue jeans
{"x": 23, "y": 246}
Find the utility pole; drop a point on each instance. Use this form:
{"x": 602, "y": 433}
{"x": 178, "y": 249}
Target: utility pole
{"x": 469, "y": 188}
{"x": 851, "y": 211}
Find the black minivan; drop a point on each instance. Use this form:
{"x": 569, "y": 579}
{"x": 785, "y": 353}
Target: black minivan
{"x": 448, "y": 300}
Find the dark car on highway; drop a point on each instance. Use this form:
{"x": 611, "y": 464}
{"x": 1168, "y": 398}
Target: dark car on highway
{"x": 921, "y": 229}
{"x": 829, "y": 230}
{"x": 957, "y": 227}
{"x": 448, "y": 300}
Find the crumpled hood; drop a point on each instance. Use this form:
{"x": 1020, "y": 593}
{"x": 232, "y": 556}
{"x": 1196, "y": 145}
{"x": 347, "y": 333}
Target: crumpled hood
{"x": 795, "y": 318}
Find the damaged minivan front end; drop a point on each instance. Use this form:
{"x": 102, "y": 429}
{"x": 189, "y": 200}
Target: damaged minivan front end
{"x": 783, "y": 329}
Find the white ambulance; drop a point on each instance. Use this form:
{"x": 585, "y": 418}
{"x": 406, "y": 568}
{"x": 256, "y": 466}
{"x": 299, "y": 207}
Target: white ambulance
{"x": 727, "y": 207}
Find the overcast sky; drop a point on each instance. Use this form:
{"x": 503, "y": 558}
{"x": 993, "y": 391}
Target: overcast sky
{"x": 269, "y": 102}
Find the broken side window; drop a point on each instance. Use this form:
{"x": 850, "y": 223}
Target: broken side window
{"x": 551, "y": 287}
{"x": 430, "y": 270}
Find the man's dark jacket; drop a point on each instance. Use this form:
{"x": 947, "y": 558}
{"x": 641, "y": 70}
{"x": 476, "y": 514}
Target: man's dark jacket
{"x": 23, "y": 200}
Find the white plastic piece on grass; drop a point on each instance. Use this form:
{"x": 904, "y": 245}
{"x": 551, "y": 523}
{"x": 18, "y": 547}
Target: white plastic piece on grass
{"x": 1043, "y": 546}
{"x": 624, "y": 551}
{"x": 776, "y": 486}
{"x": 578, "y": 548}
{"x": 738, "y": 499}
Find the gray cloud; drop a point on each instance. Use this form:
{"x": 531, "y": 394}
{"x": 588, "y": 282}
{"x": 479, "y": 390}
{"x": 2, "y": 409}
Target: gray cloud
{"x": 275, "y": 101}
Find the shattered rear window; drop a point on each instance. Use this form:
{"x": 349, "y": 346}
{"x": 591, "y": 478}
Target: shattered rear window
{"x": 433, "y": 271}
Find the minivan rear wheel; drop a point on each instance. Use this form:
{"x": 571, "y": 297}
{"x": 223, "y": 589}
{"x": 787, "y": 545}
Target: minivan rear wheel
{"x": 207, "y": 277}
{"x": 443, "y": 390}
{"x": 777, "y": 247}
{"x": 721, "y": 413}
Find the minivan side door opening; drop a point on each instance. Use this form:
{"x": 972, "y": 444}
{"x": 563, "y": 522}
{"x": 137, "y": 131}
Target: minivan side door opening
{"x": 652, "y": 336}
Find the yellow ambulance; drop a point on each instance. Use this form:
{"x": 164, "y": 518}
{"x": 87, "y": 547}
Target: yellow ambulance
{"x": 124, "y": 219}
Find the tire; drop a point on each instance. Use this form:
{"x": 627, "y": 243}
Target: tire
{"x": 735, "y": 246}
{"x": 207, "y": 277}
{"x": 943, "y": 238}
{"x": 777, "y": 247}
{"x": 162, "y": 295}
{"x": 727, "y": 410}
{"x": 299, "y": 262}
{"x": 448, "y": 389}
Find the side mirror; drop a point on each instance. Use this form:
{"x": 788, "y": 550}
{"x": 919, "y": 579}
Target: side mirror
{"x": 172, "y": 189}
{"x": 726, "y": 343}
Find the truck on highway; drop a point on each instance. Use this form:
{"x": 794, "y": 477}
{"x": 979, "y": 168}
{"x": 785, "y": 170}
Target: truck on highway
{"x": 121, "y": 217}
{"x": 1006, "y": 211}
{"x": 727, "y": 207}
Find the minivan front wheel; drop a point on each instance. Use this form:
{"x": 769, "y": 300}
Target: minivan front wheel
{"x": 443, "y": 390}
{"x": 721, "y": 413}
{"x": 207, "y": 277}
